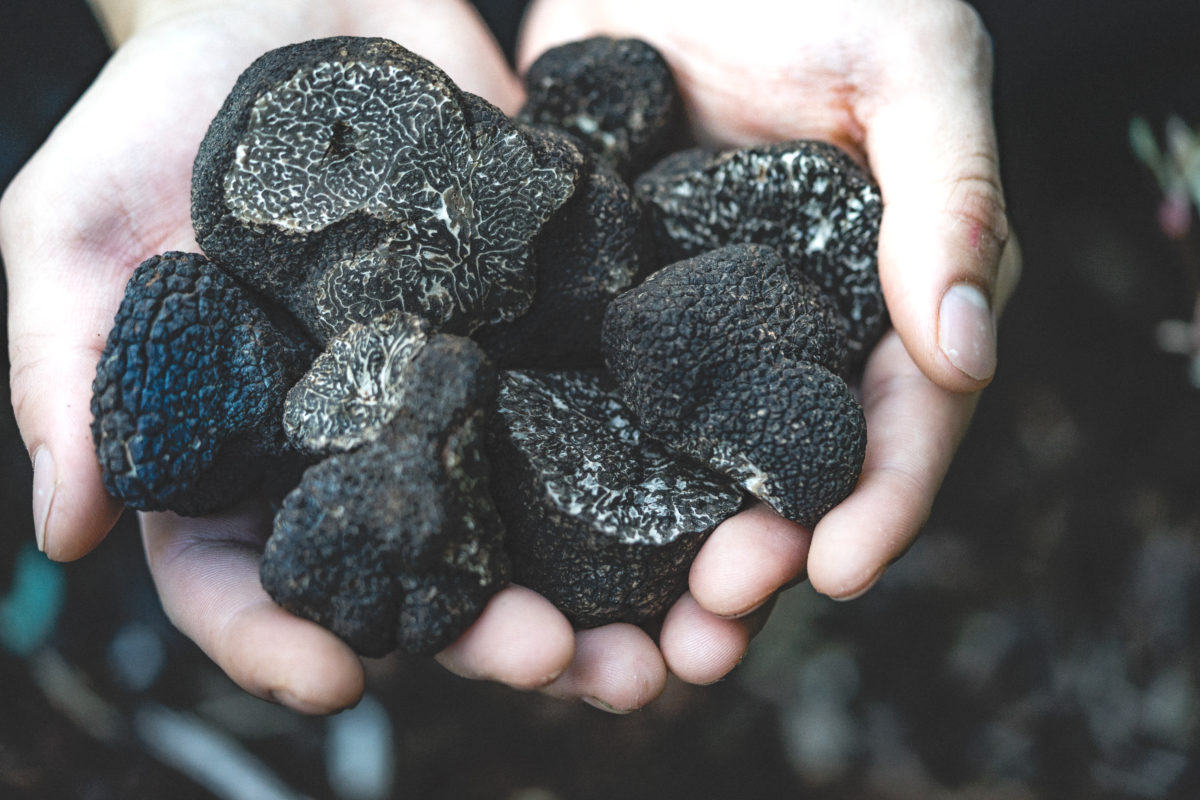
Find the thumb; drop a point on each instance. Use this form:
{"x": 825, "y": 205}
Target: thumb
{"x": 58, "y": 321}
{"x": 944, "y": 235}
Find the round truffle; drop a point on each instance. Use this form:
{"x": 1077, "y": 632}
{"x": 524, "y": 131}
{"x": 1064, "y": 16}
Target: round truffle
{"x": 728, "y": 358}
{"x": 807, "y": 199}
{"x": 602, "y": 520}
{"x": 617, "y": 95}
{"x": 189, "y": 391}
{"x": 396, "y": 544}
{"x": 343, "y": 178}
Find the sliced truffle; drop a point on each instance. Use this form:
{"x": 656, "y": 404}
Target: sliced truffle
{"x": 343, "y": 178}
{"x": 728, "y": 358}
{"x": 601, "y": 520}
{"x": 617, "y": 95}
{"x": 594, "y": 248}
{"x": 357, "y": 386}
{"x": 189, "y": 391}
{"x": 397, "y": 543}
{"x": 807, "y": 199}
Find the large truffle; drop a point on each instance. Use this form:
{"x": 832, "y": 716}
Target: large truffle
{"x": 595, "y": 247}
{"x": 190, "y": 388}
{"x": 346, "y": 177}
{"x": 601, "y": 520}
{"x": 728, "y": 357}
{"x": 616, "y": 95}
{"x": 396, "y": 544}
{"x": 807, "y": 199}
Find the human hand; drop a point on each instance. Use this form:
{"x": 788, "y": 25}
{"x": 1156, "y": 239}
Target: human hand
{"x": 905, "y": 87}
{"x": 111, "y": 187}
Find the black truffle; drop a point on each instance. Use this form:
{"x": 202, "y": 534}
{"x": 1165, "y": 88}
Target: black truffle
{"x": 601, "y": 520}
{"x": 597, "y": 246}
{"x": 808, "y": 200}
{"x": 346, "y": 177}
{"x": 190, "y": 388}
{"x": 728, "y": 358}
{"x": 396, "y": 544}
{"x": 617, "y": 95}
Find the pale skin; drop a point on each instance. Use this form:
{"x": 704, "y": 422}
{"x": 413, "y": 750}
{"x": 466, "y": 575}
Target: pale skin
{"x": 904, "y": 85}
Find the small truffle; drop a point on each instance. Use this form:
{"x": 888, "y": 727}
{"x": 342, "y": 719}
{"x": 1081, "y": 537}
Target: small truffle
{"x": 594, "y": 248}
{"x": 357, "y": 386}
{"x": 189, "y": 391}
{"x": 346, "y": 177}
{"x": 808, "y": 200}
{"x": 601, "y": 520}
{"x": 617, "y": 95}
{"x": 396, "y": 544}
{"x": 728, "y": 358}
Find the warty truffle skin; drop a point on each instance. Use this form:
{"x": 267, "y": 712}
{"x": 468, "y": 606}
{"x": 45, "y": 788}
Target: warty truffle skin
{"x": 602, "y": 520}
{"x": 616, "y": 95}
{"x": 807, "y": 199}
{"x": 729, "y": 359}
{"x": 345, "y": 177}
{"x": 396, "y": 544}
{"x": 189, "y": 391}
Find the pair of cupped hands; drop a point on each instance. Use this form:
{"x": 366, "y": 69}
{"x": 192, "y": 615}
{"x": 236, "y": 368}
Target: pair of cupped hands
{"x": 903, "y": 85}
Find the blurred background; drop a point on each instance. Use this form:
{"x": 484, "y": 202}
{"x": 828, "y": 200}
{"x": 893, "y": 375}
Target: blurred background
{"x": 1039, "y": 641}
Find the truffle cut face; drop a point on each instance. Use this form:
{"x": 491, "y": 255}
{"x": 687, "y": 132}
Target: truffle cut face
{"x": 602, "y": 520}
{"x": 357, "y": 386}
{"x": 728, "y": 358}
{"x": 343, "y": 178}
{"x": 396, "y": 544}
{"x": 806, "y": 199}
{"x": 617, "y": 95}
{"x": 190, "y": 388}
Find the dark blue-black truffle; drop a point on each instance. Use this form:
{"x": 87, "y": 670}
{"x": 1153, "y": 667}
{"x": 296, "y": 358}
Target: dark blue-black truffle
{"x": 189, "y": 392}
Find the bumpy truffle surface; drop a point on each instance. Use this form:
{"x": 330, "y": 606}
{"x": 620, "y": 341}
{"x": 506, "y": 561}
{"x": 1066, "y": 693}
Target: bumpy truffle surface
{"x": 617, "y": 95}
{"x": 728, "y": 358}
{"x": 602, "y": 520}
{"x": 808, "y": 200}
{"x": 597, "y": 246}
{"x": 357, "y": 386}
{"x": 189, "y": 391}
{"x": 344, "y": 178}
{"x": 396, "y": 544}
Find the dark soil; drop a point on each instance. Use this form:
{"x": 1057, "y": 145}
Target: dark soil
{"x": 1040, "y": 640}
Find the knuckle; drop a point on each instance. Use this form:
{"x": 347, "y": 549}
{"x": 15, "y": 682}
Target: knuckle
{"x": 975, "y": 198}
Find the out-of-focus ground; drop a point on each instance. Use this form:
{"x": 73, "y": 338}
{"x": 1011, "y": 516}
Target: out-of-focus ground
{"x": 1041, "y": 640}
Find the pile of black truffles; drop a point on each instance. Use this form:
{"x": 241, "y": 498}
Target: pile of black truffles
{"x": 456, "y": 349}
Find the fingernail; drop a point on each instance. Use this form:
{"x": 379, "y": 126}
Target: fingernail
{"x": 866, "y": 587}
{"x": 44, "y": 481}
{"x": 967, "y": 331}
{"x": 595, "y": 702}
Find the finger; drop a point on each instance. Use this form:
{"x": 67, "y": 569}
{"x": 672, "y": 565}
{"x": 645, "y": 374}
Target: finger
{"x": 701, "y": 647}
{"x": 520, "y": 640}
{"x": 931, "y": 143}
{"x": 746, "y": 560}
{"x": 616, "y": 668}
{"x": 206, "y": 573}
{"x": 913, "y": 429}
